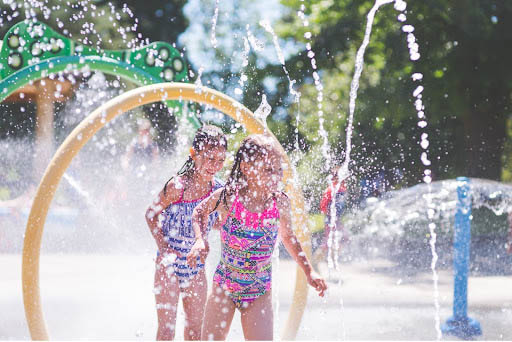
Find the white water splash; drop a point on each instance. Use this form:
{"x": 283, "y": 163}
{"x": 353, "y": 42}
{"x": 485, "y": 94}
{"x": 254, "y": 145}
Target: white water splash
{"x": 263, "y": 111}
{"x": 319, "y": 88}
{"x": 256, "y": 44}
{"x": 334, "y": 234}
{"x": 414, "y": 55}
{"x": 213, "y": 37}
{"x": 245, "y": 63}
{"x": 198, "y": 83}
{"x": 266, "y": 25}
{"x": 354, "y": 86}
{"x": 80, "y": 190}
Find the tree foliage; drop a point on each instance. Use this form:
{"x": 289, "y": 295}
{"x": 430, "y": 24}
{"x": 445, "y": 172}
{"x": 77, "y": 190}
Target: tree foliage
{"x": 465, "y": 48}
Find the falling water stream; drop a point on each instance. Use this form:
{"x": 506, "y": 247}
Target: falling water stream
{"x": 343, "y": 171}
{"x": 213, "y": 37}
{"x": 266, "y": 25}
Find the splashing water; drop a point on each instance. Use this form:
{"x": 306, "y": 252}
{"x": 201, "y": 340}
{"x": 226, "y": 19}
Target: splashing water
{"x": 79, "y": 189}
{"x": 263, "y": 111}
{"x": 266, "y": 25}
{"x": 198, "y": 83}
{"x": 354, "y": 86}
{"x": 245, "y": 63}
{"x": 255, "y": 43}
{"x": 213, "y": 38}
{"x": 414, "y": 55}
{"x": 319, "y": 88}
{"x": 343, "y": 171}
{"x": 87, "y": 29}
{"x": 332, "y": 260}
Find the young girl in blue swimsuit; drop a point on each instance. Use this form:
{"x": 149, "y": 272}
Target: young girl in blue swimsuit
{"x": 252, "y": 213}
{"x": 169, "y": 219}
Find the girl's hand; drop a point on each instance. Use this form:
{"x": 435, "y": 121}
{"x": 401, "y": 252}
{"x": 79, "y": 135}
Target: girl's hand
{"x": 317, "y": 282}
{"x": 200, "y": 248}
{"x": 166, "y": 256}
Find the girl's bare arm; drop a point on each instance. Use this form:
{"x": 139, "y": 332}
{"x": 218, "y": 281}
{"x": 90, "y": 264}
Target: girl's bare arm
{"x": 172, "y": 194}
{"x": 201, "y": 213}
{"x": 290, "y": 241}
{"x": 200, "y": 223}
{"x": 292, "y": 245}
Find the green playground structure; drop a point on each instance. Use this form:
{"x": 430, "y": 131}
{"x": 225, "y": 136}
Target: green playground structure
{"x": 32, "y": 51}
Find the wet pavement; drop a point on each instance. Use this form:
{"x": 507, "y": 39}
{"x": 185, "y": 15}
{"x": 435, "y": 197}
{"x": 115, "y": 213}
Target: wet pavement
{"x": 93, "y": 296}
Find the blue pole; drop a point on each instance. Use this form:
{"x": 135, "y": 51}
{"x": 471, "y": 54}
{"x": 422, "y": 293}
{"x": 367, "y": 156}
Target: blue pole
{"x": 460, "y": 324}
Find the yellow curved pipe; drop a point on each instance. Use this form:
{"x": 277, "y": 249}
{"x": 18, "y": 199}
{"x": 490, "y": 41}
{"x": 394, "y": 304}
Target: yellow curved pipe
{"x": 85, "y": 131}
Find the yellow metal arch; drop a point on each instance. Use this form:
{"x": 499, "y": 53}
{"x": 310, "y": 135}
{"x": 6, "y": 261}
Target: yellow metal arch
{"x": 81, "y": 135}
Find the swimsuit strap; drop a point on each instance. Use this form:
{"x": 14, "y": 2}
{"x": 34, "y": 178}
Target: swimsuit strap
{"x": 260, "y": 214}
{"x": 250, "y": 218}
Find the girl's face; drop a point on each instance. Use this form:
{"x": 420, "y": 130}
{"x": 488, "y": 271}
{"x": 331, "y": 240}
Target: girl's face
{"x": 209, "y": 161}
{"x": 266, "y": 171}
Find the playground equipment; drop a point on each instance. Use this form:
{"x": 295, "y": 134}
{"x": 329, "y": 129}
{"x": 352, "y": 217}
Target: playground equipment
{"x": 460, "y": 324}
{"x": 32, "y": 51}
{"x": 86, "y": 130}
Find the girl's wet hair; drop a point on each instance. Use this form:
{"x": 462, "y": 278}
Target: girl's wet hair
{"x": 207, "y": 136}
{"x": 252, "y": 148}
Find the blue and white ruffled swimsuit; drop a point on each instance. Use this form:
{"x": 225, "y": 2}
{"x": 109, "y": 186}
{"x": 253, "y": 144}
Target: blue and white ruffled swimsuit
{"x": 178, "y": 231}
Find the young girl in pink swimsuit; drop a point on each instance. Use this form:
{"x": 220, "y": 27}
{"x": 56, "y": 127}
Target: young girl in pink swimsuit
{"x": 252, "y": 213}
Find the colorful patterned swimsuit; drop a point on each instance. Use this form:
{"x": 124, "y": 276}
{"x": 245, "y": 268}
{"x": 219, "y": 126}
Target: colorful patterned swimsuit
{"x": 248, "y": 240}
{"x": 177, "y": 227}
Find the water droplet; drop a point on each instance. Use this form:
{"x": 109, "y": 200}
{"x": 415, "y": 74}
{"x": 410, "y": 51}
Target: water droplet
{"x": 417, "y": 91}
{"x": 263, "y": 110}
{"x": 415, "y": 56}
{"x": 198, "y": 83}
{"x": 417, "y": 76}
{"x": 424, "y": 159}
{"x": 400, "y": 5}
{"x": 408, "y": 28}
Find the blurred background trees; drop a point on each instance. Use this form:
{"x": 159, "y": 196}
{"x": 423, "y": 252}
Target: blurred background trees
{"x": 465, "y": 48}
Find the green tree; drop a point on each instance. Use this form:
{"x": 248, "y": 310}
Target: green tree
{"x": 465, "y": 47}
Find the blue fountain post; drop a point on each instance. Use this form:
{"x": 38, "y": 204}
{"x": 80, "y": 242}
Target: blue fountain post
{"x": 460, "y": 324}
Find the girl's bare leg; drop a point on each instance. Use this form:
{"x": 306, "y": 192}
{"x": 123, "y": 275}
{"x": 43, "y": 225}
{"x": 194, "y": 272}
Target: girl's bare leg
{"x": 194, "y": 300}
{"x": 166, "y": 296}
{"x": 258, "y": 319}
{"x": 218, "y": 315}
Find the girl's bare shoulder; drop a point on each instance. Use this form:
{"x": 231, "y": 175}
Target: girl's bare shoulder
{"x": 222, "y": 199}
{"x": 172, "y": 190}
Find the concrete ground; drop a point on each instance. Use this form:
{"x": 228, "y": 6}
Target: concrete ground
{"x": 92, "y": 296}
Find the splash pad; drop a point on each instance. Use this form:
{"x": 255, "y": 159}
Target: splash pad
{"x": 85, "y": 131}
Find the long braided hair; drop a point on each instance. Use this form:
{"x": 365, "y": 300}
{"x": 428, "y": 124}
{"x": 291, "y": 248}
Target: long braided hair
{"x": 252, "y": 148}
{"x": 207, "y": 136}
